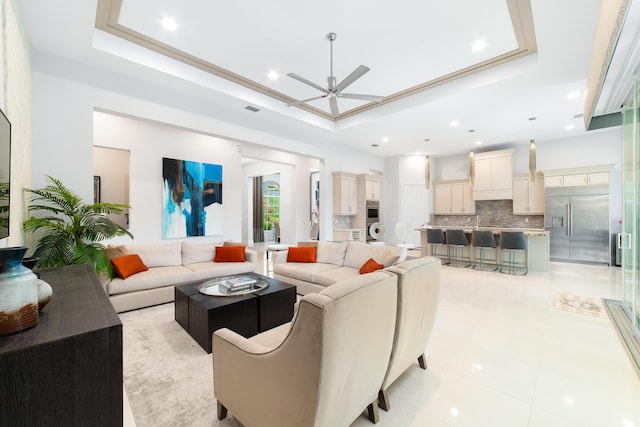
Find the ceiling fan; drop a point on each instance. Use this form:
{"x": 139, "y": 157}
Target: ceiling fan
{"x": 333, "y": 90}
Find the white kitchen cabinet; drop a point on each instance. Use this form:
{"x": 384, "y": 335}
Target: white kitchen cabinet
{"x": 528, "y": 196}
{"x": 576, "y": 179}
{"x": 370, "y": 184}
{"x": 345, "y": 194}
{"x": 554, "y": 181}
{"x": 453, "y": 198}
{"x": 598, "y": 178}
{"x": 493, "y": 175}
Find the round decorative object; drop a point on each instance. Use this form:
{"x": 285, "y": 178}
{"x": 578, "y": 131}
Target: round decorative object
{"x": 45, "y": 292}
{"x": 18, "y": 292}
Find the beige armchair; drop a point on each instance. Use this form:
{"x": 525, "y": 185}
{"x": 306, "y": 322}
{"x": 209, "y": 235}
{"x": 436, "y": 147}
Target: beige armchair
{"x": 418, "y": 293}
{"x": 322, "y": 369}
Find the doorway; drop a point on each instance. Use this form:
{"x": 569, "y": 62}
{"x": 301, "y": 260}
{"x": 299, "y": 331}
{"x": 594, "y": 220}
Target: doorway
{"x": 266, "y": 208}
{"x": 111, "y": 180}
{"x": 413, "y": 209}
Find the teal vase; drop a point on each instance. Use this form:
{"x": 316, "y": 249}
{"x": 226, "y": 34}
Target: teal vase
{"x": 18, "y": 292}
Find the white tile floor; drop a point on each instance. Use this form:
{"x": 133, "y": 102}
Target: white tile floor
{"x": 501, "y": 355}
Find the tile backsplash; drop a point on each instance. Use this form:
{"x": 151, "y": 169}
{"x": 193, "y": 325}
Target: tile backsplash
{"x": 342, "y": 222}
{"x": 490, "y": 213}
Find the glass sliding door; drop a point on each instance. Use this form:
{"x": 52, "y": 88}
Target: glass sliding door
{"x": 628, "y": 238}
{"x": 635, "y": 290}
{"x": 631, "y": 215}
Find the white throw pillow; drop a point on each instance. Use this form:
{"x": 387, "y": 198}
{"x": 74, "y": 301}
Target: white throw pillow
{"x": 193, "y": 253}
{"x": 158, "y": 255}
{"x": 331, "y": 252}
{"x": 359, "y": 252}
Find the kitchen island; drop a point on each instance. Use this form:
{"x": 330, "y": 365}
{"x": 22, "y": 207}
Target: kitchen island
{"x": 346, "y": 234}
{"x": 537, "y": 243}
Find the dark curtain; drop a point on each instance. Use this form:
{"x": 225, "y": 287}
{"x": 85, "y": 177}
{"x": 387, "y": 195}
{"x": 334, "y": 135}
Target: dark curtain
{"x": 258, "y": 215}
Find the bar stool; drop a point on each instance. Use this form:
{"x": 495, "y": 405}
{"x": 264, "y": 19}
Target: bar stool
{"x": 513, "y": 242}
{"x": 435, "y": 239}
{"x": 483, "y": 240}
{"x": 457, "y": 241}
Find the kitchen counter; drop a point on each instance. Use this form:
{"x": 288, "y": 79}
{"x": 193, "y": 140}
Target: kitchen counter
{"x": 345, "y": 234}
{"x": 537, "y": 243}
{"x": 496, "y": 230}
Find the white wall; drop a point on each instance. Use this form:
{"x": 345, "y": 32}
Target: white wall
{"x": 15, "y": 69}
{"x": 112, "y": 166}
{"x": 401, "y": 171}
{"x": 66, "y": 95}
{"x": 148, "y": 143}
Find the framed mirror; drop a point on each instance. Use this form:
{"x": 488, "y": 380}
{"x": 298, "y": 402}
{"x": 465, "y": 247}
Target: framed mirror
{"x": 5, "y": 173}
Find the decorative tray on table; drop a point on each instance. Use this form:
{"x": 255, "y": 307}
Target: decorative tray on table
{"x": 232, "y": 285}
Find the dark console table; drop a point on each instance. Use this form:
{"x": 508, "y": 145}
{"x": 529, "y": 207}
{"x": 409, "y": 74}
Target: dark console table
{"x": 67, "y": 370}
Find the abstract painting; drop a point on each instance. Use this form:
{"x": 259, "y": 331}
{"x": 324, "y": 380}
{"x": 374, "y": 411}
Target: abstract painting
{"x": 191, "y": 199}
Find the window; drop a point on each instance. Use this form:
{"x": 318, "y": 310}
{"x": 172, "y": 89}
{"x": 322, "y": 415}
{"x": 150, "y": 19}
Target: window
{"x": 270, "y": 203}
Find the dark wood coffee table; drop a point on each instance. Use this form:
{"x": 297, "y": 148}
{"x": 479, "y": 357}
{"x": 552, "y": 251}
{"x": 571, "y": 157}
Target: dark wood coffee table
{"x": 247, "y": 314}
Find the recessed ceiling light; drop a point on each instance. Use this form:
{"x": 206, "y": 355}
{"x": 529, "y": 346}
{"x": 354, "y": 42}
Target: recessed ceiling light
{"x": 375, "y": 145}
{"x": 454, "y": 412}
{"x": 573, "y": 95}
{"x": 273, "y": 75}
{"x": 478, "y": 142}
{"x": 568, "y": 400}
{"x": 385, "y": 139}
{"x": 252, "y": 108}
{"x": 479, "y": 45}
{"x": 472, "y": 130}
{"x": 169, "y": 24}
{"x": 569, "y": 127}
{"x": 427, "y": 140}
{"x": 453, "y": 123}
{"x": 532, "y": 118}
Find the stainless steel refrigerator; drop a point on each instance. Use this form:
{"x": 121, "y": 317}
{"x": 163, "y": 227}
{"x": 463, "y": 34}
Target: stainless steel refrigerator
{"x": 577, "y": 219}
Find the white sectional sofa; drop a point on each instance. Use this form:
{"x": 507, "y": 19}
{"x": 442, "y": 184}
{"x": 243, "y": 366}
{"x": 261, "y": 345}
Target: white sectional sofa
{"x": 169, "y": 265}
{"x": 334, "y": 262}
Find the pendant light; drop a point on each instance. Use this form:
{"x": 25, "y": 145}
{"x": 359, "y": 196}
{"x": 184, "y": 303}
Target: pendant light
{"x": 532, "y": 160}
{"x": 472, "y": 169}
{"x": 427, "y": 172}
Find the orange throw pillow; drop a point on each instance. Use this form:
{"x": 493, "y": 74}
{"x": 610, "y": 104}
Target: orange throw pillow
{"x": 302, "y": 254}
{"x": 128, "y": 265}
{"x": 370, "y": 266}
{"x": 229, "y": 254}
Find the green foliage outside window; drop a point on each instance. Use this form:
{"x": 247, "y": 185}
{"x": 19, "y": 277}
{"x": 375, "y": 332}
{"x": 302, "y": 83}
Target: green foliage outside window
{"x": 270, "y": 203}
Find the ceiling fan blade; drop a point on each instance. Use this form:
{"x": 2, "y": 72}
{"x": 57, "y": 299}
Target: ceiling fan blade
{"x": 373, "y": 98}
{"x": 307, "y": 82}
{"x": 333, "y": 103}
{"x": 355, "y": 75}
{"x": 307, "y": 100}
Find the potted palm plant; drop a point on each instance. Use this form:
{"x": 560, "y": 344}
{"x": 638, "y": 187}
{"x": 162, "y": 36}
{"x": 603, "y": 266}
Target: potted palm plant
{"x": 67, "y": 230}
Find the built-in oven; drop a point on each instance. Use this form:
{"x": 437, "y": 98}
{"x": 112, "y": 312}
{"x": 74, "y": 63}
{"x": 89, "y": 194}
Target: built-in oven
{"x": 373, "y": 215}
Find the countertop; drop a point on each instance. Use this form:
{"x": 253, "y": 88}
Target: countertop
{"x": 527, "y": 231}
